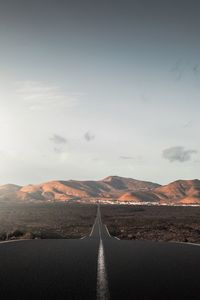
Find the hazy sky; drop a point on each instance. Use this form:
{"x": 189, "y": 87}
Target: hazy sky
{"x": 96, "y": 88}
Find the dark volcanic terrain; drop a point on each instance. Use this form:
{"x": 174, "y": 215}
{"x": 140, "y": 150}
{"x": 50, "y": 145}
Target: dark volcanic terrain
{"x": 157, "y": 223}
{"x": 45, "y": 220}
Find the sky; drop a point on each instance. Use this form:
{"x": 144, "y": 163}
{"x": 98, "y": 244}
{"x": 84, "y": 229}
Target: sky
{"x": 90, "y": 89}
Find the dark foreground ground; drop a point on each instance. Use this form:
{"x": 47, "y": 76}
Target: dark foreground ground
{"x": 45, "y": 220}
{"x": 62, "y": 220}
{"x": 68, "y": 269}
{"x": 159, "y": 223}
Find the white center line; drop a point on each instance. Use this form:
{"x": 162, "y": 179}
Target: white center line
{"x": 93, "y": 227}
{"x": 102, "y": 282}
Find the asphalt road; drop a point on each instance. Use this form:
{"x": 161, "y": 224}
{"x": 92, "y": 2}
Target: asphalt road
{"x": 77, "y": 269}
{"x": 152, "y": 270}
{"x": 49, "y": 269}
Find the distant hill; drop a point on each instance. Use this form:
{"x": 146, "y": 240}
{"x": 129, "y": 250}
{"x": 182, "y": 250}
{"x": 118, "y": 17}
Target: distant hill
{"x": 8, "y": 191}
{"x": 180, "y": 191}
{"x": 177, "y": 192}
{"x": 112, "y": 188}
{"x": 122, "y": 183}
{"x": 140, "y": 197}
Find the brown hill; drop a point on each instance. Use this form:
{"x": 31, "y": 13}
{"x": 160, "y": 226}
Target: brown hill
{"x": 54, "y": 190}
{"x": 180, "y": 191}
{"x": 8, "y": 191}
{"x": 121, "y": 183}
{"x": 139, "y": 197}
{"x": 110, "y": 188}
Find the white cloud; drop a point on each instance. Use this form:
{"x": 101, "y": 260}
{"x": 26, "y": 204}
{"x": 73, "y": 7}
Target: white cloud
{"x": 178, "y": 153}
{"x": 126, "y": 157}
{"x": 58, "y": 139}
{"x": 89, "y": 136}
{"x": 39, "y": 96}
{"x": 60, "y": 143}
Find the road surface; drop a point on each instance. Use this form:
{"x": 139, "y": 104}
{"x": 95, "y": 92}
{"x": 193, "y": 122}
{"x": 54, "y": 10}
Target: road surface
{"x": 99, "y": 267}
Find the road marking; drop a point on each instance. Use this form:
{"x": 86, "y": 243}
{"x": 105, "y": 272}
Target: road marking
{"x": 186, "y": 243}
{"x": 83, "y": 237}
{"x": 102, "y": 282}
{"x": 107, "y": 231}
{"x": 93, "y": 227}
{"x": 13, "y": 241}
{"x": 116, "y": 238}
{"x": 99, "y": 229}
{"x": 193, "y": 244}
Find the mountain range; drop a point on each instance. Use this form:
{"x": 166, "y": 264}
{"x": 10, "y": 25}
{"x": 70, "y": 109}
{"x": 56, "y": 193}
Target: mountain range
{"x": 113, "y": 189}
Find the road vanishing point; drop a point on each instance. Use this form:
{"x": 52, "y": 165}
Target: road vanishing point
{"x": 99, "y": 267}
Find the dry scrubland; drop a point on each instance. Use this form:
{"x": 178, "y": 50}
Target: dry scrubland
{"x": 159, "y": 223}
{"x": 45, "y": 220}
{"x": 63, "y": 220}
